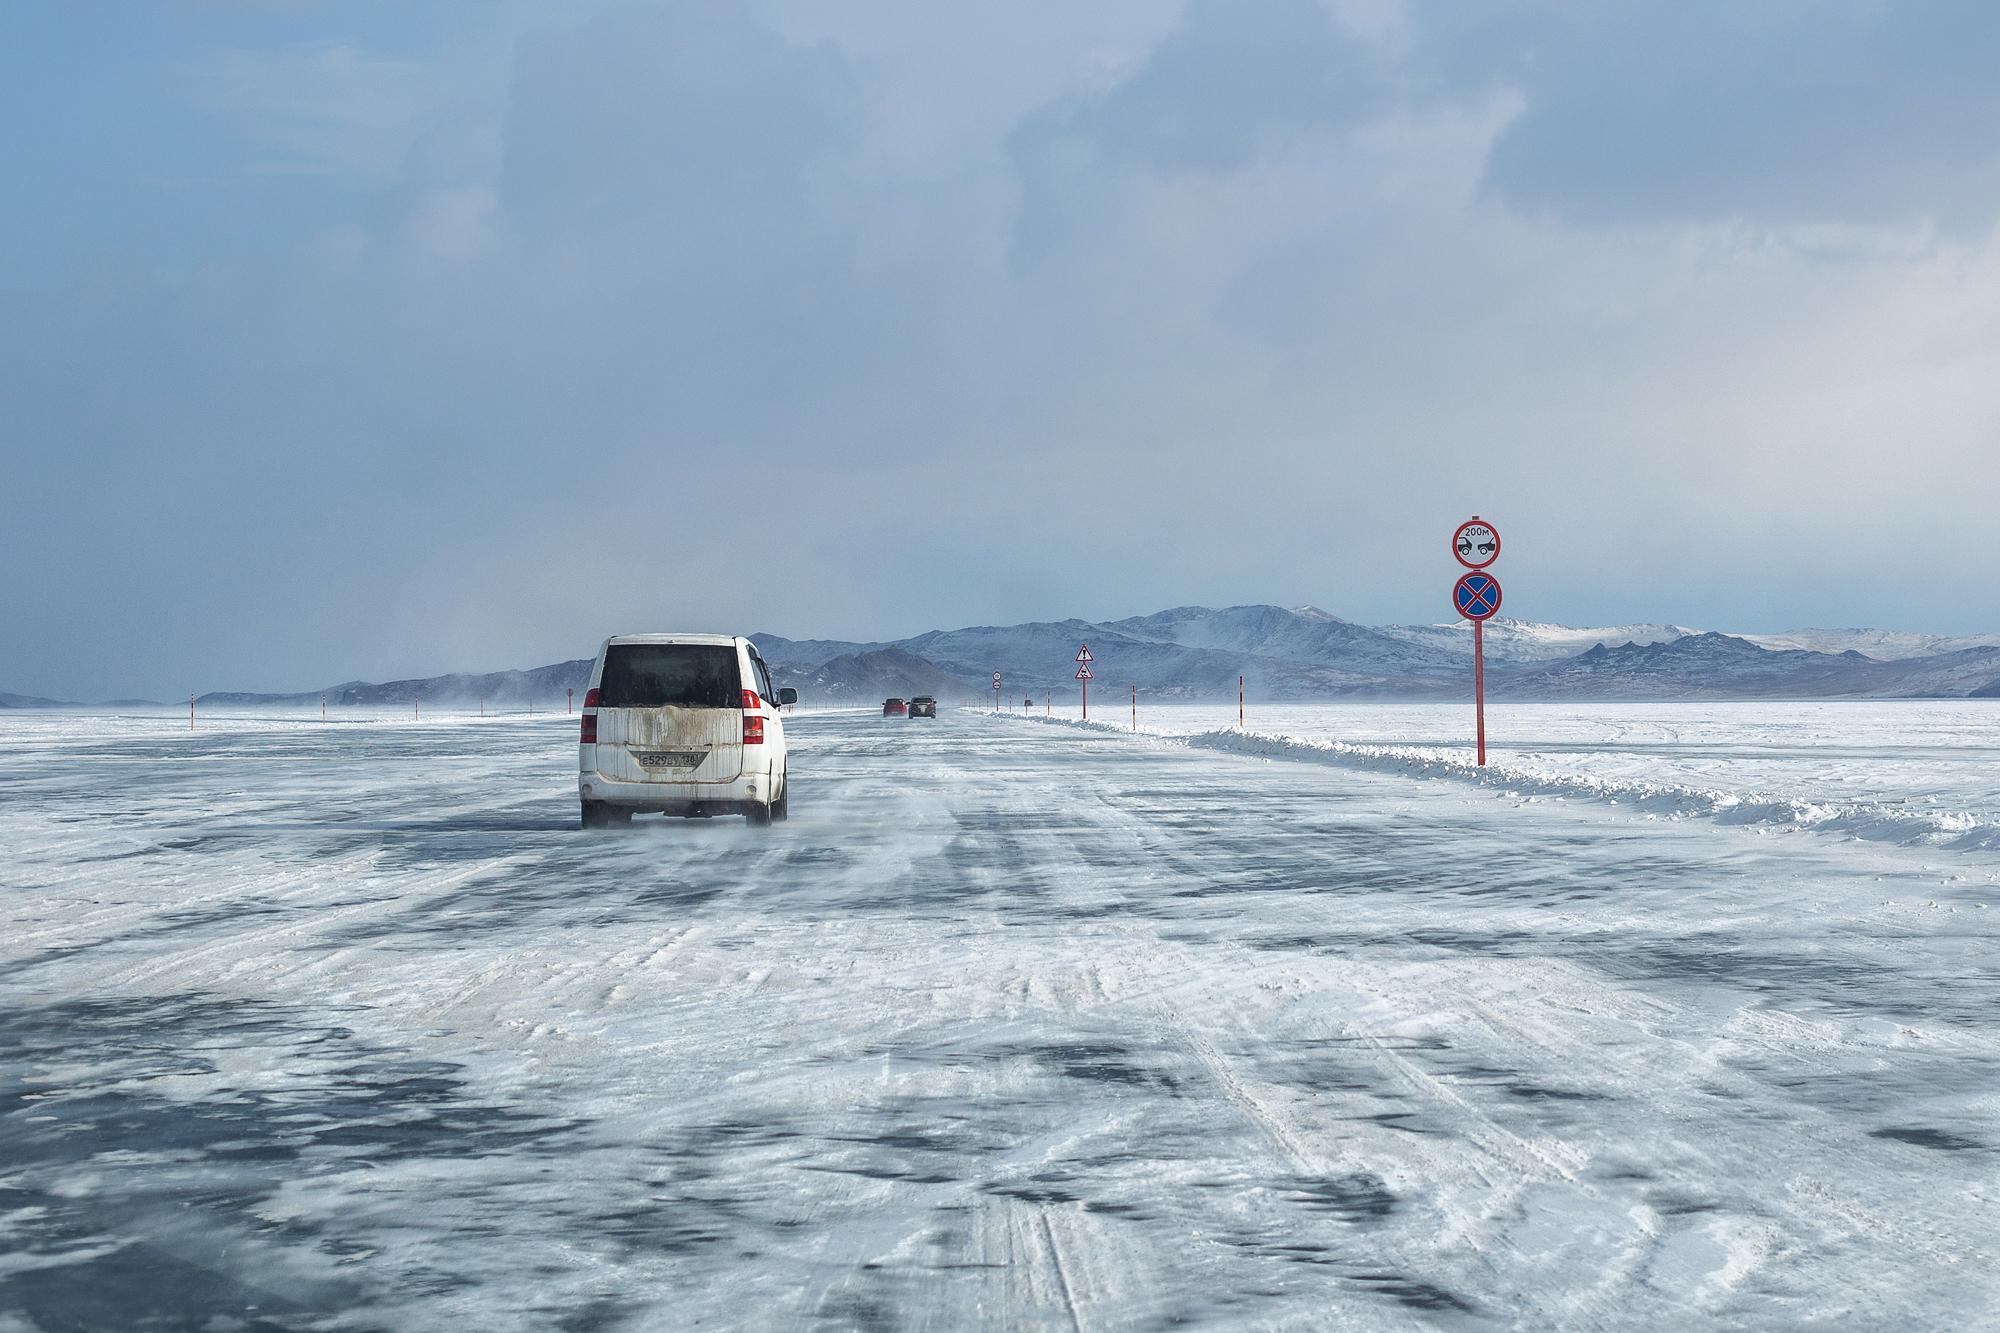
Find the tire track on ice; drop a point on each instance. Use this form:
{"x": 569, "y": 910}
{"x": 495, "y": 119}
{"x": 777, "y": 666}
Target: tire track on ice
{"x": 239, "y": 943}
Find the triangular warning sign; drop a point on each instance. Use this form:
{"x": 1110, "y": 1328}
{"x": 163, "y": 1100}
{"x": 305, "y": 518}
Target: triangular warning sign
{"x": 1083, "y": 673}
{"x": 1083, "y": 654}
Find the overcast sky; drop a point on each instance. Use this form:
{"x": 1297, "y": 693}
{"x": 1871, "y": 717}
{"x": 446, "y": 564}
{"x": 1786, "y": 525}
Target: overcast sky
{"x": 367, "y": 340}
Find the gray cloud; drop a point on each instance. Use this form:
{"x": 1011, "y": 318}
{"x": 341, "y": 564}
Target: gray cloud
{"x": 921, "y": 318}
{"x": 1216, "y": 90}
{"x": 1859, "y": 110}
{"x": 682, "y": 124}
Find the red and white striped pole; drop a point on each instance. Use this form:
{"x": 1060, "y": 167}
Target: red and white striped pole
{"x": 1135, "y": 708}
{"x": 1239, "y": 703}
{"x": 1479, "y": 683}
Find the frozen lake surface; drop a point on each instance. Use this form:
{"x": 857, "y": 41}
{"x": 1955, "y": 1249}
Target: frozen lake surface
{"x": 345, "y": 1025}
{"x": 1918, "y": 772}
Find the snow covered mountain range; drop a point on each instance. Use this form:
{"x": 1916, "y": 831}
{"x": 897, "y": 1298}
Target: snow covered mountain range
{"x": 1306, "y": 653}
{"x": 1197, "y": 652}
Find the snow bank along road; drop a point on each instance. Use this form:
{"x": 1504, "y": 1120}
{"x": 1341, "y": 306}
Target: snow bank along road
{"x": 312, "y": 1025}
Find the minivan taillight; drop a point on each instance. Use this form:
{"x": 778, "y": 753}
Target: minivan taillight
{"x": 590, "y": 698}
{"x": 753, "y": 728}
{"x": 751, "y": 703}
{"x": 587, "y": 735}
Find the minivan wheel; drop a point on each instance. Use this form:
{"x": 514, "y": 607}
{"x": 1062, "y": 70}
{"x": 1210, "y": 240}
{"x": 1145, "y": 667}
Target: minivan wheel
{"x": 757, "y": 813}
{"x": 781, "y": 809}
{"x": 600, "y": 814}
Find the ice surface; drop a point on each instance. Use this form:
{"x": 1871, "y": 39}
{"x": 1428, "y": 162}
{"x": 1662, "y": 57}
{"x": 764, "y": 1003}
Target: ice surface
{"x": 347, "y": 1026}
{"x": 1921, "y": 772}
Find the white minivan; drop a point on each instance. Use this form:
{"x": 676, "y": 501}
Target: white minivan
{"x": 685, "y": 724}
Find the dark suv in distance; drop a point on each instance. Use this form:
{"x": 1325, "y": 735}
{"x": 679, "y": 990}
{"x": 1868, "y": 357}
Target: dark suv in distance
{"x": 923, "y": 706}
{"x": 895, "y": 708}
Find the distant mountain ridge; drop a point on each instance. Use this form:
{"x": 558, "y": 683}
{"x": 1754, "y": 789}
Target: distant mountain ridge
{"x": 1297, "y": 653}
{"x": 1303, "y": 653}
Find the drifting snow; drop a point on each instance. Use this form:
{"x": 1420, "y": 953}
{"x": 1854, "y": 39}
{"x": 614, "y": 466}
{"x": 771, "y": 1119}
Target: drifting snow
{"x": 1913, "y": 773}
{"x": 1510, "y": 640}
{"x": 1861, "y": 820}
{"x": 1884, "y": 645}
{"x": 348, "y": 1026}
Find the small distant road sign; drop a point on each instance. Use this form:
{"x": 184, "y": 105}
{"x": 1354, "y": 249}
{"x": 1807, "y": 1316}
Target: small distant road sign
{"x": 1476, "y": 544}
{"x": 1476, "y": 596}
{"x": 1083, "y": 654}
{"x": 996, "y": 680}
{"x": 1083, "y": 672}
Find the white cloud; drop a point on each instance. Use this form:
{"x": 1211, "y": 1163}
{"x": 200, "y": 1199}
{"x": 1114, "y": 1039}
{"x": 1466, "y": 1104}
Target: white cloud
{"x": 325, "y": 107}
{"x": 455, "y": 223}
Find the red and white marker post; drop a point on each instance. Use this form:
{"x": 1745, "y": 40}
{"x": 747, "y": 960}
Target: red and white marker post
{"x": 1083, "y": 661}
{"x": 1475, "y": 544}
{"x": 996, "y": 691}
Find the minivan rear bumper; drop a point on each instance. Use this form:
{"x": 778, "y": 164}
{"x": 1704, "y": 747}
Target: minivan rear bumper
{"x": 749, "y": 789}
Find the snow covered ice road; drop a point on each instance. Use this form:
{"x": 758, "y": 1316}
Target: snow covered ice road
{"x": 347, "y": 1026}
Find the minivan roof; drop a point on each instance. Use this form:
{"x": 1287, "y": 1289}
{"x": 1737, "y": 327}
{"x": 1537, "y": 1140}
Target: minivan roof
{"x": 716, "y": 640}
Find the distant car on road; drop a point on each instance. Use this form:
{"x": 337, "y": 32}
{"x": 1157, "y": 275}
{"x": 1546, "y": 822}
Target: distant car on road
{"x": 923, "y": 706}
{"x": 895, "y": 708}
{"x": 685, "y": 724}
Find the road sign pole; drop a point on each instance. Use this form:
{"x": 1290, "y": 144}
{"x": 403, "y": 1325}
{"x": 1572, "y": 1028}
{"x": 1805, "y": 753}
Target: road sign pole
{"x": 1135, "y": 708}
{"x": 1086, "y": 698}
{"x": 1475, "y": 544}
{"x": 1479, "y": 683}
{"x": 1239, "y": 703}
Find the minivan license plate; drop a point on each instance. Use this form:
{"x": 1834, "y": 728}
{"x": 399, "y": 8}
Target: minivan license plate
{"x": 668, "y": 758}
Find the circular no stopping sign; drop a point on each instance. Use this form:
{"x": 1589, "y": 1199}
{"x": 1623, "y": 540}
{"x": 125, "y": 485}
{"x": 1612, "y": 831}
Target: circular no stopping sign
{"x": 1476, "y": 596}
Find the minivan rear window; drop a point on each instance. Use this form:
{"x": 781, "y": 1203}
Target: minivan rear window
{"x": 690, "y": 675}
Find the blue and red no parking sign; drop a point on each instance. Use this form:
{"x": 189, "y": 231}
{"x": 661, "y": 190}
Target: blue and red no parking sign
{"x": 1476, "y": 596}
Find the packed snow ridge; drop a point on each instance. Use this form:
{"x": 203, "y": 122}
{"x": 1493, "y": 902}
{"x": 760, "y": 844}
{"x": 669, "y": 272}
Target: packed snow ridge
{"x": 1873, "y": 820}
